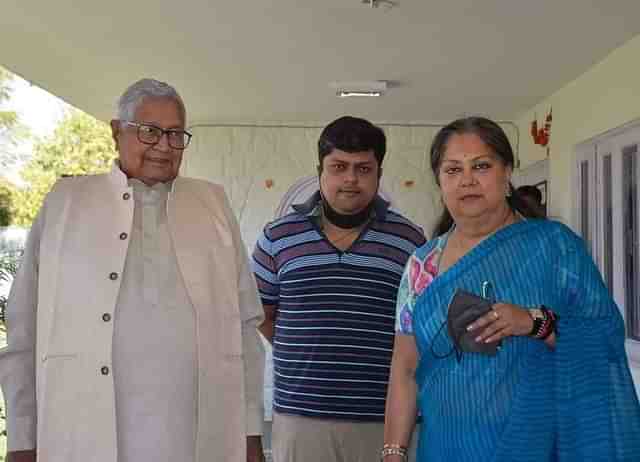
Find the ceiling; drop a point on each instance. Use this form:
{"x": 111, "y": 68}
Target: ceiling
{"x": 243, "y": 61}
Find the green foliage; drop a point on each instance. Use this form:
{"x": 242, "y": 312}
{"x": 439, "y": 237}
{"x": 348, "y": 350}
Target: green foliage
{"x": 6, "y": 201}
{"x": 80, "y": 145}
{"x": 7, "y": 118}
{"x": 11, "y": 130}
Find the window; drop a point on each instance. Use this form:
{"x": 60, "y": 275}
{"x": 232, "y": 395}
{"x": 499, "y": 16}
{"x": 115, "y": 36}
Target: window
{"x": 607, "y": 210}
{"x": 585, "y": 214}
{"x": 630, "y": 237}
{"x": 607, "y": 215}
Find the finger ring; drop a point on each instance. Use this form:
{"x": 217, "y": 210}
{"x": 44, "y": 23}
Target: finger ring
{"x": 495, "y": 314}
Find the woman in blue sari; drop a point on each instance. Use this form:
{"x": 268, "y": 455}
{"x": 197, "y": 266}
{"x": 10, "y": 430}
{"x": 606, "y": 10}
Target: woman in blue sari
{"x": 559, "y": 387}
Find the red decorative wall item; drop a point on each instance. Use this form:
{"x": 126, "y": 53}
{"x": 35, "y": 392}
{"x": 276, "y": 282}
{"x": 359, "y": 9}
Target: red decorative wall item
{"x": 542, "y": 135}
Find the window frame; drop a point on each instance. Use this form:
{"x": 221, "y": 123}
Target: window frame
{"x": 594, "y": 152}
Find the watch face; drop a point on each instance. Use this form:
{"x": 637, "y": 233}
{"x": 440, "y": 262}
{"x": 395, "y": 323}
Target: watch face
{"x": 536, "y": 313}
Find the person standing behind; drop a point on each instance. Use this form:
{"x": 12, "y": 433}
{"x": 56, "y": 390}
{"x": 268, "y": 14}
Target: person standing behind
{"x": 533, "y": 197}
{"x": 132, "y": 323}
{"x": 328, "y": 274}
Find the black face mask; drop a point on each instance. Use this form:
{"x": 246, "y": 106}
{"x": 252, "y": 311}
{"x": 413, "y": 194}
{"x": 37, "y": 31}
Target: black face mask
{"x": 342, "y": 220}
{"x": 346, "y": 221}
{"x": 464, "y": 308}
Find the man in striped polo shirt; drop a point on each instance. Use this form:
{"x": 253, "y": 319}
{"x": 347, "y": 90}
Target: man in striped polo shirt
{"x": 328, "y": 274}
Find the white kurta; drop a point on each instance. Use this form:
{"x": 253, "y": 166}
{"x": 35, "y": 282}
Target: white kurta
{"x": 57, "y": 370}
{"x": 154, "y": 347}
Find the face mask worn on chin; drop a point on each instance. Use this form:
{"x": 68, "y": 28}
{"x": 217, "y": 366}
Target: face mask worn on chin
{"x": 346, "y": 221}
{"x": 342, "y": 220}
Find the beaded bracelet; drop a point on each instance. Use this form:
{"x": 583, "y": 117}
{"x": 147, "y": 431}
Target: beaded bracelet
{"x": 544, "y": 322}
{"x": 394, "y": 450}
{"x": 549, "y": 325}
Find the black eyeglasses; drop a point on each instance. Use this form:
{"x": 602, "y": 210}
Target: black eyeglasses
{"x": 150, "y": 134}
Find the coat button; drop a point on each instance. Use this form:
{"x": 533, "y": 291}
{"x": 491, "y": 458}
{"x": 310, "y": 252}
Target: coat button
{"x": 104, "y": 370}
{"x": 123, "y": 236}
{"x": 106, "y": 317}
{"x": 126, "y": 196}
{"x": 113, "y": 276}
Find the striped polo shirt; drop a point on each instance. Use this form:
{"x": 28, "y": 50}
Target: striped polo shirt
{"x": 335, "y": 310}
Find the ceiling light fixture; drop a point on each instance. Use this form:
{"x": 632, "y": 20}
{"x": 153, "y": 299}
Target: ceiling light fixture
{"x": 376, "y": 3}
{"x": 348, "y": 94}
{"x": 372, "y": 88}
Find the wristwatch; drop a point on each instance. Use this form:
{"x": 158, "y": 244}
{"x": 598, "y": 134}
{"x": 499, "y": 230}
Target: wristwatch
{"x": 539, "y": 318}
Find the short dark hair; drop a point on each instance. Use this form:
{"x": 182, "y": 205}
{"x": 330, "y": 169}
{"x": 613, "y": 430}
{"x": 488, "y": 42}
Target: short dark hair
{"x": 352, "y": 134}
{"x": 531, "y": 191}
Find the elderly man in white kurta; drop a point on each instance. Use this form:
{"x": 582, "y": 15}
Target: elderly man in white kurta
{"x": 132, "y": 321}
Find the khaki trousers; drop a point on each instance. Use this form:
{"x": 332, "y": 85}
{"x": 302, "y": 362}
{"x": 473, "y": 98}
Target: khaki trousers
{"x": 309, "y": 439}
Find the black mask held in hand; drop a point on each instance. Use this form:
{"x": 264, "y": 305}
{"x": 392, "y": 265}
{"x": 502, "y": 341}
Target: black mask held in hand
{"x": 465, "y": 308}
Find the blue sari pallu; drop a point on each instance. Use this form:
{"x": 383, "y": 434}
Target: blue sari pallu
{"x": 528, "y": 402}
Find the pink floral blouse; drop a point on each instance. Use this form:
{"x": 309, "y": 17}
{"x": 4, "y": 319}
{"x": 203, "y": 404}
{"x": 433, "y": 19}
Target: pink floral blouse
{"x": 418, "y": 274}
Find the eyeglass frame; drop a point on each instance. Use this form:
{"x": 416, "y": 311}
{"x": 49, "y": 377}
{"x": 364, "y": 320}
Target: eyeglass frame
{"x": 163, "y": 132}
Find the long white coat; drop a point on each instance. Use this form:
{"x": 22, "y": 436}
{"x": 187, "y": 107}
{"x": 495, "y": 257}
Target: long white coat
{"x": 70, "y": 277}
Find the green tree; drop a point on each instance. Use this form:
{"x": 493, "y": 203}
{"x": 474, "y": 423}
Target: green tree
{"x": 6, "y": 201}
{"x": 80, "y": 145}
{"x": 7, "y": 118}
{"x": 11, "y": 133}
{"x": 11, "y": 130}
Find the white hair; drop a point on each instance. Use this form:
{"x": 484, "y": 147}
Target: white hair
{"x": 145, "y": 88}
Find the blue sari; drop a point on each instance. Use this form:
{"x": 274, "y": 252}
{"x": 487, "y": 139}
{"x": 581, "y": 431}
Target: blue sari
{"x": 527, "y": 403}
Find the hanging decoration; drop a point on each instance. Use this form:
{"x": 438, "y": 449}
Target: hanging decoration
{"x": 541, "y": 136}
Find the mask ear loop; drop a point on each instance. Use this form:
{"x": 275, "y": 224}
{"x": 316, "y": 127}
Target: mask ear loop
{"x": 487, "y": 293}
{"x": 454, "y": 348}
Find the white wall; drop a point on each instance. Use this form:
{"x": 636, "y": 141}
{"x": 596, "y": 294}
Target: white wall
{"x": 604, "y": 97}
{"x": 244, "y": 158}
